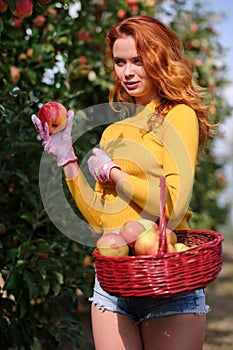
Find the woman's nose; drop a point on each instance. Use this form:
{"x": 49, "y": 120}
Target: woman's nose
{"x": 128, "y": 70}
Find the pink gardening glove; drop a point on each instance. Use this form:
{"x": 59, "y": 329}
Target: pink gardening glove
{"x": 100, "y": 165}
{"x": 59, "y": 144}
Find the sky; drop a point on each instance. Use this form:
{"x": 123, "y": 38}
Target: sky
{"x": 225, "y": 32}
{"x": 222, "y": 147}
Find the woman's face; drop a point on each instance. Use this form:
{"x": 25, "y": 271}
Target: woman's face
{"x": 129, "y": 70}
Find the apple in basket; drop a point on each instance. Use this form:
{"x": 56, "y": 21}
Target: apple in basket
{"x": 131, "y": 230}
{"x": 171, "y": 237}
{"x": 55, "y": 114}
{"x": 112, "y": 244}
{"x": 148, "y": 242}
{"x": 171, "y": 240}
{"x": 181, "y": 247}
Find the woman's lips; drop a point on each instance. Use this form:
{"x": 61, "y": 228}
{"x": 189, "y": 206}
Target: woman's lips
{"x": 132, "y": 85}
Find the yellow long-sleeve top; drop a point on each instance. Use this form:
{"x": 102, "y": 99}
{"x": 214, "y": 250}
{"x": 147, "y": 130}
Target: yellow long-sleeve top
{"x": 169, "y": 150}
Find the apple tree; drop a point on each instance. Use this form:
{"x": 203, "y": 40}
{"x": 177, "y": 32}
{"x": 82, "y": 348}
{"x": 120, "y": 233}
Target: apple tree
{"x": 53, "y": 51}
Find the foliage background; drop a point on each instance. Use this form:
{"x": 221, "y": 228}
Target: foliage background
{"x": 56, "y": 53}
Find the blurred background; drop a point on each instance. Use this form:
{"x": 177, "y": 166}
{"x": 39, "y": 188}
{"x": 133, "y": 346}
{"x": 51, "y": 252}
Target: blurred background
{"x": 53, "y": 51}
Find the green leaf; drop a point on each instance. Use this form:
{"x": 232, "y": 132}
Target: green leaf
{"x": 42, "y": 268}
{"x": 33, "y": 288}
{"x": 22, "y": 176}
{"x": 33, "y": 76}
{"x": 28, "y": 217}
{"x": 12, "y": 280}
{"x": 59, "y": 277}
{"x": 36, "y": 345}
{"x": 45, "y": 286}
{"x": 56, "y": 287}
{"x": 11, "y": 3}
{"x": 1, "y": 25}
{"x": 23, "y": 307}
{"x": 20, "y": 263}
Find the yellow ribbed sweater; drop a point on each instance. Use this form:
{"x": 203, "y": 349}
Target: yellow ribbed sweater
{"x": 169, "y": 150}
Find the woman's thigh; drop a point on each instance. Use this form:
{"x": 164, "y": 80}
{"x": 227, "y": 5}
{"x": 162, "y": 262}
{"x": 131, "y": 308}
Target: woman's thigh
{"x": 169, "y": 321}
{"x": 114, "y": 331}
{"x": 176, "y": 332}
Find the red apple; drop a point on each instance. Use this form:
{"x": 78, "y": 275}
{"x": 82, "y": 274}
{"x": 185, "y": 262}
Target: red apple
{"x": 121, "y": 14}
{"x": 2, "y": 229}
{"x": 24, "y": 8}
{"x": 83, "y": 35}
{"x": 132, "y": 2}
{"x": 134, "y": 8}
{"x": 52, "y": 11}
{"x": 171, "y": 248}
{"x": 22, "y": 56}
{"x": 171, "y": 237}
{"x": 39, "y": 21}
{"x": 148, "y": 224}
{"x": 3, "y": 6}
{"x": 30, "y": 52}
{"x": 17, "y": 22}
{"x": 15, "y": 74}
{"x": 194, "y": 27}
{"x": 55, "y": 114}
{"x": 112, "y": 244}
{"x": 82, "y": 61}
{"x": 147, "y": 243}
{"x": 44, "y": 256}
{"x": 130, "y": 231}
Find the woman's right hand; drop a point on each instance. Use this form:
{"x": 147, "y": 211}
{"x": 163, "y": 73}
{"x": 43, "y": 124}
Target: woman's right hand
{"x": 58, "y": 144}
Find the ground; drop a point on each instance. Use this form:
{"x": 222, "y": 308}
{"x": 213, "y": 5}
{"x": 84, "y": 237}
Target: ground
{"x": 219, "y": 333}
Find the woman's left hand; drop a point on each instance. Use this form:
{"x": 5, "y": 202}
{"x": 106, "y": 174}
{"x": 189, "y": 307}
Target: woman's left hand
{"x": 100, "y": 164}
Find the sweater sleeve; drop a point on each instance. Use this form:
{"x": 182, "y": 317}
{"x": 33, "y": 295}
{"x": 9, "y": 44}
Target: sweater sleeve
{"x": 87, "y": 200}
{"x": 179, "y": 142}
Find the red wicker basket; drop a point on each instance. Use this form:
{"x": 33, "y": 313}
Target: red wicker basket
{"x": 164, "y": 274}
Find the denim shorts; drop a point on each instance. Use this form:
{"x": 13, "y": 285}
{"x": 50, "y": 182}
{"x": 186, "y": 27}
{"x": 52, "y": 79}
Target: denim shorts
{"x": 146, "y": 308}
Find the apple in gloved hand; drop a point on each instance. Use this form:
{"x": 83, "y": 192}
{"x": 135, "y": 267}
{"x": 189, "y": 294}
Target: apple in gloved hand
{"x": 55, "y": 115}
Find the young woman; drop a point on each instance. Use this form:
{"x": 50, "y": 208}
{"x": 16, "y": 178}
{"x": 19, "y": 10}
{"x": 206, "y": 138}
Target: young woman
{"x": 169, "y": 126}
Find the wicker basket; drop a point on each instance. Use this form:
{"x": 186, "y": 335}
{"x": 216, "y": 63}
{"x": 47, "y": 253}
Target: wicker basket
{"x": 164, "y": 274}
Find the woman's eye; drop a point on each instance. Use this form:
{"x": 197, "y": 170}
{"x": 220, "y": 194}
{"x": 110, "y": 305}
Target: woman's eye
{"x": 118, "y": 62}
{"x": 121, "y": 62}
{"x": 138, "y": 61}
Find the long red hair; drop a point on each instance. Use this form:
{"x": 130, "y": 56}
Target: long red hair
{"x": 164, "y": 61}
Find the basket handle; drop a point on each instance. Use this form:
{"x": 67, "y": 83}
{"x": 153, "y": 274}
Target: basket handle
{"x": 162, "y": 218}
